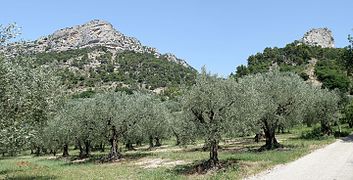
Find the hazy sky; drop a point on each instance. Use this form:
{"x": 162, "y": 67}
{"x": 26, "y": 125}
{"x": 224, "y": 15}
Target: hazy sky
{"x": 219, "y": 34}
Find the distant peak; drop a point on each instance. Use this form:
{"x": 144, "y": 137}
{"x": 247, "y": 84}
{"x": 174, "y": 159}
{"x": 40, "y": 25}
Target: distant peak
{"x": 319, "y": 37}
{"x": 98, "y": 22}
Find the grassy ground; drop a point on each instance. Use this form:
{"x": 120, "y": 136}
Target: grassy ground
{"x": 166, "y": 162}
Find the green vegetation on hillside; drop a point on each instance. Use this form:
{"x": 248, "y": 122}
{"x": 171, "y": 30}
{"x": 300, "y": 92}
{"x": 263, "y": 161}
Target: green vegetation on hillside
{"x": 78, "y": 68}
{"x": 331, "y": 68}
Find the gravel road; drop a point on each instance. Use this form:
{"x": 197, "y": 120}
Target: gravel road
{"x": 333, "y": 162}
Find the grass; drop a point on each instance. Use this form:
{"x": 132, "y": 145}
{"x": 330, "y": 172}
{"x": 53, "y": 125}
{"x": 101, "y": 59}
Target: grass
{"x": 240, "y": 153}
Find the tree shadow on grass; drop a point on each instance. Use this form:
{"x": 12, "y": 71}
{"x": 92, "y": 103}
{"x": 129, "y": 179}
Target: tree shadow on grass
{"x": 24, "y": 177}
{"x": 8, "y": 171}
{"x": 200, "y": 167}
{"x": 101, "y": 159}
{"x": 134, "y": 156}
{"x": 230, "y": 145}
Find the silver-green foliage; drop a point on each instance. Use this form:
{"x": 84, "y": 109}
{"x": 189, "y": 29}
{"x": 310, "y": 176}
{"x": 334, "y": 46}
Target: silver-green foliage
{"x": 284, "y": 99}
{"x": 28, "y": 98}
{"x": 323, "y": 109}
{"x": 214, "y": 107}
{"x": 109, "y": 118}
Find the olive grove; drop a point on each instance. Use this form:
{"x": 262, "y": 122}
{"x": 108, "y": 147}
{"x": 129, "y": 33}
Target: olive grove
{"x": 37, "y": 113}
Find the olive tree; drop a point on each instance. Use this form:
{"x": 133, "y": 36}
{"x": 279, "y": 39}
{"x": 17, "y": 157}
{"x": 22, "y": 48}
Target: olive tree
{"x": 147, "y": 118}
{"x": 111, "y": 111}
{"x": 281, "y": 99}
{"x": 212, "y": 105}
{"x": 28, "y": 98}
{"x": 324, "y": 109}
{"x": 348, "y": 112}
{"x": 176, "y": 119}
{"x": 60, "y": 132}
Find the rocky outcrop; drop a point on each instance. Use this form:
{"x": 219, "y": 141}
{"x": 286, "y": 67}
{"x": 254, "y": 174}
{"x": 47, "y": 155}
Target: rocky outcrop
{"x": 319, "y": 37}
{"x": 92, "y": 34}
{"x": 173, "y": 58}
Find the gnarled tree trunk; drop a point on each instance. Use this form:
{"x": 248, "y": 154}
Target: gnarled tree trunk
{"x": 114, "y": 145}
{"x": 65, "y": 150}
{"x": 129, "y": 145}
{"x": 53, "y": 152}
{"x": 213, "y": 161}
{"x": 38, "y": 151}
{"x": 270, "y": 135}
{"x": 87, "y": 148}
{"x": 176, "y": 137}
{"x": 158, "y": 143}
{"x": 151, "y": 141}
{"x": 102, "y": 147}
{"x": 82, "y": 154}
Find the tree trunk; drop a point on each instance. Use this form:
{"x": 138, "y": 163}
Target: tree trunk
{"x": 213, "y": 161}
{"x": 44, "y": 150}
{"x": 129, "y": 145}
{"x": 280, "y": 129}
{"x": 270, "y": 135}
{"x": 258, "y": 137}
{"x": 102, "y": 147}
{"x": 176, "y": 137}
{"x": 158, "y": 143}
{"x": 139, "y": 143}
{"x": 151, "y": 141}
{"x": 37, "y": 151}
{"x": 82, "y": 154}
{"x": 65, "y": 150}
{"x": 87, "y": 148}
{"x": 114, "y": 146}
{"x": 271, "y": 141}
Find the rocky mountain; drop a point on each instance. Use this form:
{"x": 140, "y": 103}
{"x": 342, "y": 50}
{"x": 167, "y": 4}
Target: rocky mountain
{"x": 319, "y": 37}
{"x": 95, "y": 56}
{"x": 94, "y": 33}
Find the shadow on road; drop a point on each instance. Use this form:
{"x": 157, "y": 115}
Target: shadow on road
{"x": 348, "y": 139}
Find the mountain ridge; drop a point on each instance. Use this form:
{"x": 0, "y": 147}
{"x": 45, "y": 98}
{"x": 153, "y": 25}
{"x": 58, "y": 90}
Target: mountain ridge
{"x": 95, "y": 33}
{"x": 95, "y": 56}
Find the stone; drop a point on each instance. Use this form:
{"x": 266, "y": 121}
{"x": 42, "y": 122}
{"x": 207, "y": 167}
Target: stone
{"x": 319, "y": 37}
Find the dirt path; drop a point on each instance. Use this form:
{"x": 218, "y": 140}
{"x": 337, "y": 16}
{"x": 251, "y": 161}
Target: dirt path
{"x": 333, "y": 162}
{"x": 310, "y": 71}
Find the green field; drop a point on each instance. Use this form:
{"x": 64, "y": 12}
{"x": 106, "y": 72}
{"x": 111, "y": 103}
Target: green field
{"x": 167, "y": 162}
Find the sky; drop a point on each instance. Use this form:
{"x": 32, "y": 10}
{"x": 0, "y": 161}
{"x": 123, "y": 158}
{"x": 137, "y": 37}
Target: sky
{"x": 217, "y": 34}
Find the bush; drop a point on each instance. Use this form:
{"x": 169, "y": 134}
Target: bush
{"x": 315, "y": 133}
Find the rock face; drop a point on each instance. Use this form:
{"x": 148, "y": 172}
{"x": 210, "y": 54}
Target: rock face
{"x": 319, "y": 37}
{"x": 91, "y": 34}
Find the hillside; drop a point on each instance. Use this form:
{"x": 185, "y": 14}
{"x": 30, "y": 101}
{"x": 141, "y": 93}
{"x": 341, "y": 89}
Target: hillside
{"x": 95, "y": 56}
{"x": 313, "y": 57}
